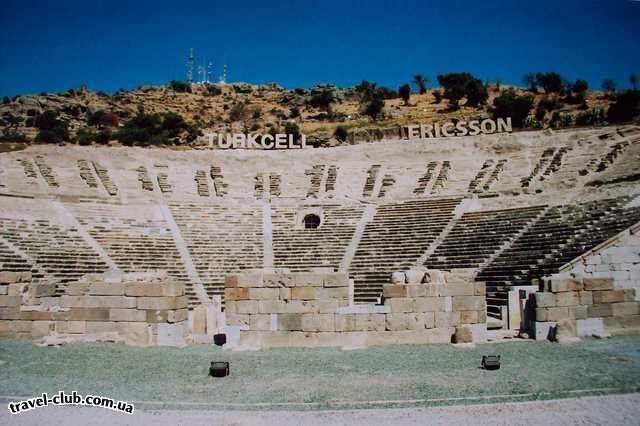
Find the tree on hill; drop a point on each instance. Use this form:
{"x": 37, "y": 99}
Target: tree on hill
{"x": 509, "y": 104}
{"x": 579, "y": 88}
{"x": 459, "y": 85}
{"x": 102, "y": 118}
{"x": 530, "y": 80}
{"x": 374, "y": 108}
{"x": 608, "y": 85}
{"x": 625, "y": 108}
{"x": 50, "y": 128}
{"x": 366, "y": 90}
{"x": 179, "y": 86}
{"x": 633, "y": 79}
{"x": 323, "y": 99}
{"x": 405, "y": 93}
{"x": 341, "y": 133}
{"x": 421, "y": 82}
{"x": 154, "y": 129}
{"x": 551, "y": 82}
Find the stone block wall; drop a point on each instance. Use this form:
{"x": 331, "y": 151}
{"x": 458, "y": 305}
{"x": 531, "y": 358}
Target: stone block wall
{"x": 570, "y": 308}
{"x": 314, "y": 309}
{"x": 137, "y": 309}
{"x": 618, "y": 258}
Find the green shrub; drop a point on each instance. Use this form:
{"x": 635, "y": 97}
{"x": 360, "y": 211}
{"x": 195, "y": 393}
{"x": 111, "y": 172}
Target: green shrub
{"x": 11, "y": 135}
{"x": 323, "y": 99}
{"x": 421, "y": 82}
{"x": 374, "y": 108}
{"x": 592, "y": 117}
{"x": 153, "y": 129}
{"x": 238, "y": 112}
{"x": 459, "y": 85}
{"x": 341, "y": 133}
{"x": 179, "y": 86}
{"x": 85, "y": 136}
{"x": 213, "y": 90}
{"x": 561, "y": 119}
{"x": 102, "y": 118}
{"x": 104, "y": 136}
{"x": 6, "y": 100}
{"x": 530, "y": 81}
{"x": 50, "y": 128}
{"x": 509, "y": 104}
{"x": 405, "y": 93}
{"x": 551, "y": 82}
{"x": 625, "y": 108}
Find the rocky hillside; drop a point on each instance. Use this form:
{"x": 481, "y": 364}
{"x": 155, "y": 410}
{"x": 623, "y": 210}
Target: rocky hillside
{"x": 240, "y": 107}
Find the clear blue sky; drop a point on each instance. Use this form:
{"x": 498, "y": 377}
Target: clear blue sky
{"x": 56, "y": 45}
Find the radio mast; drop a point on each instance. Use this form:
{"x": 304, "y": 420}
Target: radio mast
{"x": 190, "y": 67}
{"x": 223, "y": 76}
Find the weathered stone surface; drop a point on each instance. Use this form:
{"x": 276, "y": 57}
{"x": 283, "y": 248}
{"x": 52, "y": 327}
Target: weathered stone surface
{"x": 106, "y": 289}
{"x": 277, "y": 280}
{"x": 153, "y": 289}
{"x": 260, "y": 322}
{"x": 590, "y": 327}
{"x": 308, "y": 280}
{"x": 238, "y": 293}
{"x": 468, "y": 303}
{"x": 290, "y": 322}
{"x": 318, "y": 322}
{"x": 117, "y": 314}
{"x": 598, "y": 311}
{"x": 545, "y": 300}
{"x": 264, "y": 293}
{"x": 199, "y": 321}
{"x": 625, "y": 308}
{"x": 552, "y": 314}
{"x": 598, "y": 284}
{"x": 610, "y": 296}
{"x": 401, "y": 304}
{"x": 336, "y": 280}
{"x": 98, "y": 302}
{"x": 398, "y": 290}
{"x": 398, "y": 278}
{"x": 567, "y": 298}
{"x": 303, "y": 293}
{"x": 162, "y": 302}
{"x": 370, "y": 322}
{"x": 427, "y": 304}
{"x": 414, "y": 276}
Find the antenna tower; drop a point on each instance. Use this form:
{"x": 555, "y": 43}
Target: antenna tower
{"x": 190, "y": 67}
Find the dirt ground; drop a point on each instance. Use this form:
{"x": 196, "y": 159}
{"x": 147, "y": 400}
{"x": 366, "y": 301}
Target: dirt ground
{"x": 611, "y": 410}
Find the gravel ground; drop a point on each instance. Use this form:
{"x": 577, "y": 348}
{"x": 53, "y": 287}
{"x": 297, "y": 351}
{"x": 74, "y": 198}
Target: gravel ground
{"x": 610, "y": 410}
{"x": 327, "y": 378}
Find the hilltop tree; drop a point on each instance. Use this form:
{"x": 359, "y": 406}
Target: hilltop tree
{"x": 405, "y": 93}
{"x": 366, "y": 90}
{"x": 179, "y": 86}
{"x": 530, "y": 80}
{"x": 374, "y": 108}
{"x": 608, "y": 85}
{"x": 580, "y": 88}
{"x": 633, "y": 79}
{"x": 323, "y": 99}
{"x": 421, "y": 82}
{"x": 551, "y": 82}
{"x": 625, "y": 108}
{"x": 459, "y": 85}
{"x": 509, "y": 104}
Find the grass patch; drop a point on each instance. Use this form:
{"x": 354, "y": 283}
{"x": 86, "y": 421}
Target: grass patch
{"x": 323, "y": 376}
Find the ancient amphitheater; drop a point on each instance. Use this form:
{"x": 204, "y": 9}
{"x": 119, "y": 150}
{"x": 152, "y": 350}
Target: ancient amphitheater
{"x": 507, "y": 209}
